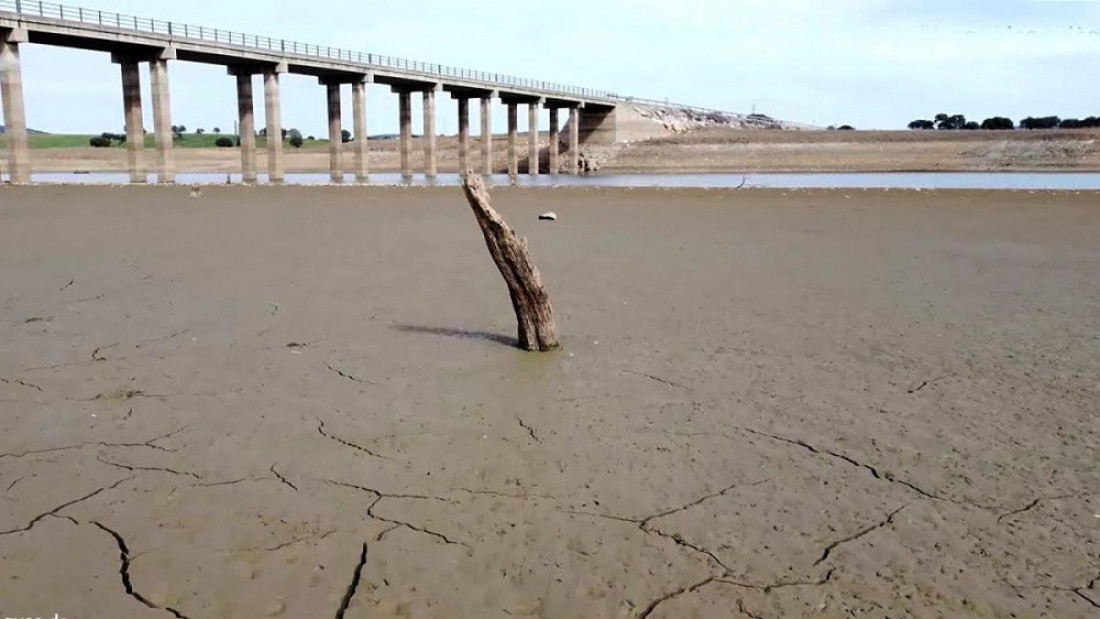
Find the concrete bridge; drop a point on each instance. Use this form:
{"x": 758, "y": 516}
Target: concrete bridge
{"x": 134, "y": 40}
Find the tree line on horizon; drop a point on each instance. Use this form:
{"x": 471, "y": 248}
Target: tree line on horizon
{"x": 957, "y": 122}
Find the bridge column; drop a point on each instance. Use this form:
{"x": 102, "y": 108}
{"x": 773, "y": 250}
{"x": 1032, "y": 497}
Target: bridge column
{"x": 361, "y": 145}
{"x": 431, "y": 159}
{"x": 15, "y": 115}
{"x": 575, "y": 141}
{"x": 555, "y": 137}
{"x": 131, "y": 105}
{"x": 335, "y": 134}
{"x": 513, "y": 137}
{"x": 246, "y": 115}
{"x": 162, "y": 117}
{"x": 533, "y": 138}
{"x": 404, "y": 99}
{"x": 486, "y": 135}
{"x": 463, "y": 134}
{"x": 273, "y": 109}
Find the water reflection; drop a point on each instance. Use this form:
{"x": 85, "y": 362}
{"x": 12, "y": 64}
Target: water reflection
{"x": 903, "y": 180}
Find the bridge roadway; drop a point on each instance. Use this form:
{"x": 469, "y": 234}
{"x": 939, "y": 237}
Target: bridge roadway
{"x": 134, "y": 40}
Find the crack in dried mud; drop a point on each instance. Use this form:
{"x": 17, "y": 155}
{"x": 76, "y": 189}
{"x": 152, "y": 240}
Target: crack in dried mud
{"x": 883, "y": 476}
{"x": 156, "y": 469}
{"x": 655, "y": 379}
{"x": 356, "y": 576}
{"x": 766, "y": 589}
{"x": 851, "y": 538}
{"x": 1032, "y": 505}
{"x": 55, "y": 511}
{"x": 124, "y": 572}
{"x": 351, "y": 377}
{"x": 151, "y": 444}
{"x": 529, "y": 429}
{"x": 282, "y": 479}
{"x": 96, "y": 353}
{"x": 652, "y": 606}
{"x": 345, "y": 443}
{"x": 677, "y": 538}
{"x": 927, "y": 383}
{"x": 505, "y": 495}
{"x": 379, "y": 496}
{"x": 20, "y": 383}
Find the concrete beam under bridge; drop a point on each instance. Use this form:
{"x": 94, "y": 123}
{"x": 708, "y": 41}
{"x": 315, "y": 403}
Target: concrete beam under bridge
{"x": 533, "y": 138}
{"x": 462, "y": 95}
{"x": 162, "y": 112}
{"x": 431, "y": 157}
{"x": 272, "y": 110}
{"x": 15, "y": 114}
{"x": 360, "y": 144}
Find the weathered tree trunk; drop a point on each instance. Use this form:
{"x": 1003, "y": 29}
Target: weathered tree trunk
{"x": 534, "y": 314}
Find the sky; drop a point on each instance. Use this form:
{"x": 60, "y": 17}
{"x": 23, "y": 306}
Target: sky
{"x": 869, "y": 63}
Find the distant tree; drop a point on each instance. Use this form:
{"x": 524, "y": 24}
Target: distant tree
{"x": 200, "y": 131}
{"x": 953, "y": 122}
{"x": 1045, "y": 122}
{"x": 295, "y": 137}
{"x": 1070, "y": 123}
{"x": 972, "y": 126}
{"x": 922, "y": 125}
{"x": 998, "y": 123}
{"x": 286, "y": 133}
{"x": 345, "y": 136}
{"x": 831, "y": 128}
{"x": 217, "y": 130}
{"x": 100, "y": 141}
{"x": 223, "y": 143}
{"x": 311, "y": 138}
{"x": 846, "y": 128}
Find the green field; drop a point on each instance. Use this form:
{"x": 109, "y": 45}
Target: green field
{"x": 188, "y": 140}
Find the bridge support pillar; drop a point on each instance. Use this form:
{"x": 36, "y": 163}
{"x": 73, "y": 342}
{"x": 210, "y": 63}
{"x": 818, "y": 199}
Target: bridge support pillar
{"x": 513, "y": 137}
{"x": 135, "y": 129}
{"x": 15, "y": 115}
{"x": 335, "y": 134}
{"x": 361, "y": 144}
{"x": 162, "y": 120}
{"x": 273, "y": 110}
{"x": 555, "y": 141}
{"x": 533, "y": 138}
{"x": 246, "y": 115}
{"x": 404, "y": 100}
{"x": 575, "y": 141}
{"x": 431, "y": 158}
{"x": 486, "y": 135}
{"x": 463, "y": 134}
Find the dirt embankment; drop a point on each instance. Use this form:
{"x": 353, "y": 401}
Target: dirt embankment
{"x": 732, "y": 150}
{"x": 649, "y": 147}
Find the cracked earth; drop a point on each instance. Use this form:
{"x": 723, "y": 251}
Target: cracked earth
{"x": 299, "y": 402}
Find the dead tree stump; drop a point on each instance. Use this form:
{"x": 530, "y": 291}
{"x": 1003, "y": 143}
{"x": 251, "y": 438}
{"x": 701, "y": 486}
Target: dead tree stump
{"x": 537, "y": 331}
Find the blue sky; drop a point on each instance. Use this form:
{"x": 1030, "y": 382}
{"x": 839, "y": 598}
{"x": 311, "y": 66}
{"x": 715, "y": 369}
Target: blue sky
{"x": 870, "y": 63}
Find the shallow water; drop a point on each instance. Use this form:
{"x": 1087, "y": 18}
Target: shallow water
{"x": 904, "y": 180}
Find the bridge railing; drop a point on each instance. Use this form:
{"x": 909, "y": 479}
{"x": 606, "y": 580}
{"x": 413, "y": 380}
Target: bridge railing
{"x": 176, "y": 30}
{"x": 183, "y": 31}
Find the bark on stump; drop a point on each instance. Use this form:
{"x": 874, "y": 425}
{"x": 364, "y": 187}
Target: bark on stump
{"x": 537, "y": 331}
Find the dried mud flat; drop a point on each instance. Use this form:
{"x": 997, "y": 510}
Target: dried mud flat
{"x": 302, "y": 402}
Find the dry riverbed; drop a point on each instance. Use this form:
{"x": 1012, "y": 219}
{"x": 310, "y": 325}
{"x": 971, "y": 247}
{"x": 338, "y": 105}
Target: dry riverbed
{"x": 304, "y": 402}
